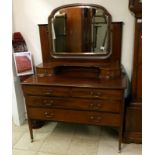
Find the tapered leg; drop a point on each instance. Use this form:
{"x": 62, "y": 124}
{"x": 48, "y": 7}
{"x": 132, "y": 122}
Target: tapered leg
{"x": 30, "y": 129}
{"x": 119, "y": 147}
{"x": 121, "y": 125}
{"x": 120, "y": 139}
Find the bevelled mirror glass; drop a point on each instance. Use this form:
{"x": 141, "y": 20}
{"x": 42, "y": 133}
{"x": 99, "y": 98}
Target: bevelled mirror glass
{"x": 80, "y": 30}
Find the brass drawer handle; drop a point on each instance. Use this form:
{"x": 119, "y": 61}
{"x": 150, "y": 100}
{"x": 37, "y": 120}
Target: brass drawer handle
{"x": 98, "y": 106}
{"x": 46, "y": 92}
{"x": 92, "y": 117}
{"x": 96, "y": 94}
{"x": 96, "y": 119}
{"x": 48, "y": 102}
{"x": 95, "y": 106}
{"x": 49, "y": 115}
{"x": 91, "y": 105}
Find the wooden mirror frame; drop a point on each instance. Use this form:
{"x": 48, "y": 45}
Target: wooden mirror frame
{"x": 80, "y": 55}
{"x": 106, "y": 68}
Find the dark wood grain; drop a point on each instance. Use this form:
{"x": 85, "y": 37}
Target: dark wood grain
{"x": 104, "y": 105}
{"x": 86, "y": 117}
{"x": 133, "y": 120}
{"x": 87, "y": 90}
{"x": 43, "y": 31}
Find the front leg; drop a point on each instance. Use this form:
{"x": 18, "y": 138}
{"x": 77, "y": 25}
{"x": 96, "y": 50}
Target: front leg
{"x": 30, "y": 129}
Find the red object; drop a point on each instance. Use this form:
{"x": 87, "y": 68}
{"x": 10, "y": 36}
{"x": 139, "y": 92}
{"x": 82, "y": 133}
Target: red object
{"x": 17, "y": 36}
{"x": 23, "y": 64}
{"x": 18, "y": 42}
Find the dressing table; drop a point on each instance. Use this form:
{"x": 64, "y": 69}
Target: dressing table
{"x": 81, "y": 79}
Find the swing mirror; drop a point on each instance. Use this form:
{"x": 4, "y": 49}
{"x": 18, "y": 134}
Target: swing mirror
{"x": 80, "y": 30}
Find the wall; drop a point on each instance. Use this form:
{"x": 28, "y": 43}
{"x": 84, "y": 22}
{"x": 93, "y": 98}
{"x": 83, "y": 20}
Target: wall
{"x": 18, "y": 107}
{"x": 29, "y": 13}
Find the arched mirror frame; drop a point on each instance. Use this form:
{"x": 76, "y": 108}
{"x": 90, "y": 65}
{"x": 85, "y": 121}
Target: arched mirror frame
{"x": 80, "y": 55}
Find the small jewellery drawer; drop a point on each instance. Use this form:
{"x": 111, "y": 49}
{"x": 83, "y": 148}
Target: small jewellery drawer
{"x": 74, "y": 103}
{"x": 46, "y": 91}
{"x": 96, "y": 118}
{"x": 96, "y": 93}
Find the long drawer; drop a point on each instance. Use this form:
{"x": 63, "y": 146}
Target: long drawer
{"x": 108, "y": 105}
{"x": 96, "y": 118}
{"x": 72, "y": 92}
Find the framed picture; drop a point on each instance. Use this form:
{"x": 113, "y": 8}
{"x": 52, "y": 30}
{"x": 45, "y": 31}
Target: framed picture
{"x": 23, "y": 63}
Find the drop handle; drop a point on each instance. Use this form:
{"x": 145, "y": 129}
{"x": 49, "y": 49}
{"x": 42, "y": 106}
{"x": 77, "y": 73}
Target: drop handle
{"x": 95, "y": 94}
{"x": 96, "y": 118}
{"x": 92, "y": 117}
{"x": 47, "y": 92}
{"x": 98, "y": 94}
{"x": 91, "y": 104}
{"x": 95, "y": 106}
{"x": 49, "y": 115}
{"x": 48, "y": 102}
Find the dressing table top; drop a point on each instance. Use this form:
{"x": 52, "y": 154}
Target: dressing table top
{"x": 117, "y": 83}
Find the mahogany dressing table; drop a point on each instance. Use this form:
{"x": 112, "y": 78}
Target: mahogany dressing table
{"x": 81, "y": 78}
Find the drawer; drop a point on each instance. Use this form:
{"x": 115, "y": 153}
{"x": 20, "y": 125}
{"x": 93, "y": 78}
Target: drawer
{"x": 73, "y": 92}
{"x": 46, "y": 91}
{"x": 97, "y": 93}
{"x": 74, "y": 103}
{"x": 96, "y": 118}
